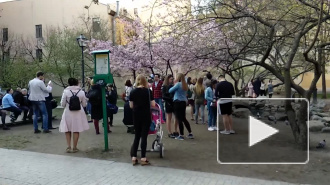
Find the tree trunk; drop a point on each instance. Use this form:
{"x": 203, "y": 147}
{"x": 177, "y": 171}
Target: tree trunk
{"x": 288, "y": 107}
{"x": 152, "y": 70}
{"x": 166, "y": 69}
{"x": 302, "y": 138}
{"x": 297, "y": 122}
{"x": 237, "y": 91}
{"x": 134, "y": 74}
{"x": 169, "y": 66}
{"x": 324, "y": 85}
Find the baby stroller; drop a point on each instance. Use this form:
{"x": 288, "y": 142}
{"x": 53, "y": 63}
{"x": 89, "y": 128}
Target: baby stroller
{"x": 156, "y": 116}
{"x": 128, "y": 118}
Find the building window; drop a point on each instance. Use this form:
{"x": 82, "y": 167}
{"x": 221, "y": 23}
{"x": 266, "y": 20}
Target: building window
{"x": 39, "y": 55}
{"x": 96, "y": 24}
{"x": 125, "y": 12}
{"x": 39, "y": 31}
{"x": 135, "y": 11}
{"x": 5, "y": 34}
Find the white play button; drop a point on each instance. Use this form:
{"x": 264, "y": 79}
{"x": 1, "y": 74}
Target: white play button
{"x": 259, "y": 131}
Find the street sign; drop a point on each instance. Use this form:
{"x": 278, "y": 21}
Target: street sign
{"x": 102, "y": 77}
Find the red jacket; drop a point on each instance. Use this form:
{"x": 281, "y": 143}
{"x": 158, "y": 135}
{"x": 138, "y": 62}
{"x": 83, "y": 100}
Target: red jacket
{"x": 157, "y": 91}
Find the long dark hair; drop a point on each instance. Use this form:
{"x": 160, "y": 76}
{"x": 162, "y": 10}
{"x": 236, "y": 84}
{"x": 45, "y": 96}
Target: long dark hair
{"x": 128, "y": 83}
{"x": 167, "y": 80}
{"x": 189, "y": 81}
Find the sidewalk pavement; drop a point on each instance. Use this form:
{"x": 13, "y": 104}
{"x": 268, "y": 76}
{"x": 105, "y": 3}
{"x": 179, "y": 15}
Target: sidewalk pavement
{"x": 30, "y": 168}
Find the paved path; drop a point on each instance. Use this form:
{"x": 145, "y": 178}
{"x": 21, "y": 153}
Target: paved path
{"x": 30, "y": 168}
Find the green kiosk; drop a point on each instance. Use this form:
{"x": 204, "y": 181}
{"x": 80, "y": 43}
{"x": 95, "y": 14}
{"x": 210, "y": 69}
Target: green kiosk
{"x": 103, "y": 77}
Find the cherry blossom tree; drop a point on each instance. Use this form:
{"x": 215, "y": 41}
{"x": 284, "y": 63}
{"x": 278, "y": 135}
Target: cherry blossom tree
{"x": 151, "y": 47}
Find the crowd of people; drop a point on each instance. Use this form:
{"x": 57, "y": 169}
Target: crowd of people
{"x": 257, "y": 87}
{"x": 38, "y": 101}
{"x": 173, "y": 95}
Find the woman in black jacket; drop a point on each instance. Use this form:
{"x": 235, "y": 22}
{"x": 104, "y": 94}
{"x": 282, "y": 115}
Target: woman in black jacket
{"x": 168, "y": 98}
{"x": 95, "y": 98}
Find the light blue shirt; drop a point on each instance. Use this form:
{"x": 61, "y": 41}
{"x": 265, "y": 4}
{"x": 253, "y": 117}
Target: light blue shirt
{"x": 179, "y": 93}
{"x": 8, "y": 101}
{"x": 209, "y": 94}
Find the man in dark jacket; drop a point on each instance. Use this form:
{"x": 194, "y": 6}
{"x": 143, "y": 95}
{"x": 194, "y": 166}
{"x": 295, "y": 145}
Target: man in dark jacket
{"x": 256, "y": 86}
{"x": 25, "y": 106}
{"x": 18, "y": 96}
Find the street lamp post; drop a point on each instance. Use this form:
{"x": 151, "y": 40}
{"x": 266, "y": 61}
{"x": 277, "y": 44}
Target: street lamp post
{"x": 82, "y": 43}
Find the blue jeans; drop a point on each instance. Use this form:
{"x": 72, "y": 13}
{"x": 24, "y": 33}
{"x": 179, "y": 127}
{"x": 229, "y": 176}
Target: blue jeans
{"x": 197, "y": 106}
{"x": 88, "y": 108}
{"x": 160, "y": 102}
{"x": 39, "y": 106}
{"x": 212, "y": 114}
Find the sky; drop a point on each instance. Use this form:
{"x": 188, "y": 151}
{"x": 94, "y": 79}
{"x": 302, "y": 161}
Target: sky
{"x": 4, "y": 0}
{"x": 102, "y": 1}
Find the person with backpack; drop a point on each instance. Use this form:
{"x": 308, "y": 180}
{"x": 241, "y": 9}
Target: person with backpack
{"x": 73, "y": 119}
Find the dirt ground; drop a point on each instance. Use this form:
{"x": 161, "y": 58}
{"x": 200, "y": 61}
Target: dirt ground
{"x": 199, "y": 154}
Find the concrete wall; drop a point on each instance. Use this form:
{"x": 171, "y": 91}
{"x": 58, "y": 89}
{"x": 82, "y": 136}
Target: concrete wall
{"x": 20, "y": 17}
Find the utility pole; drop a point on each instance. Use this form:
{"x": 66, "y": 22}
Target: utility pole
{"x": 114, "y": 25}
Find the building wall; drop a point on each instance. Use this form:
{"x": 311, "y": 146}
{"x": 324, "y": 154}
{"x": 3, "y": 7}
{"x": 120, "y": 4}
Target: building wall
{"x": 20, "y": 17}
{"x": 307, "y": 80}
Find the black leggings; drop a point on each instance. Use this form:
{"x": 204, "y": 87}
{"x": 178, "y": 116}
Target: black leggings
{"x": 141, "y": 126}
{"x": 3, "y": 117}
{"x": 180, "y": 115}
{"x": 110, "y": 115}
{"x": 262, "y": 92}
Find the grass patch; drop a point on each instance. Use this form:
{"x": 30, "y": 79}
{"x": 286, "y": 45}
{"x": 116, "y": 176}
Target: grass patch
{"x": 58, "y": 112}
{"x": 120, "y": 103}
{"x": 14, "y": 141}
{"x": 319, "y": 96}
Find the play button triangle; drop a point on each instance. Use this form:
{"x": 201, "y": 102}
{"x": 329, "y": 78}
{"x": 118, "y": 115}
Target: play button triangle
{"x": 259, "y": 131}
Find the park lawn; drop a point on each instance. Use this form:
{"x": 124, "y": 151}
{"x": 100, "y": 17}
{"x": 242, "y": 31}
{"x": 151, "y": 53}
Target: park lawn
{"x": 319, "y": 96}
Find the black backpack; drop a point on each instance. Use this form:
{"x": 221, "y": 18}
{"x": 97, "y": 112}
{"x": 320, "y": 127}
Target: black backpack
{"x": 74, "y": 102}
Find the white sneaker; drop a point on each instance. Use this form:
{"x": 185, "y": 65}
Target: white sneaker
{"x": 232, "y": 132}
{"x": 210, "y": 129}
{"x": 215, "y": 128}
{"x": 225, "y": 132}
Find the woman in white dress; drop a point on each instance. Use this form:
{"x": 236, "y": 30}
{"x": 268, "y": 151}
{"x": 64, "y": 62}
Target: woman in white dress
{"x": 250, "y": 91}
{"x": 73, "y": 121}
